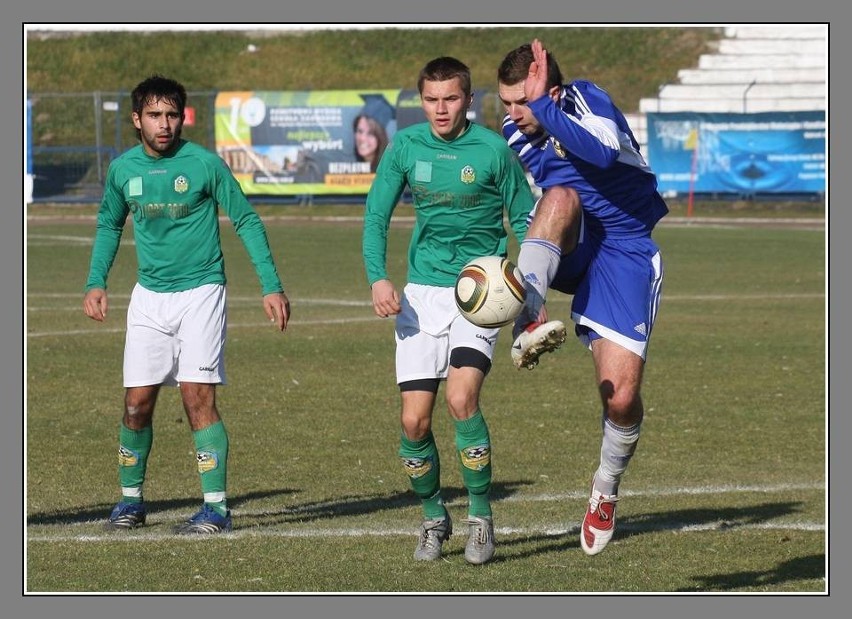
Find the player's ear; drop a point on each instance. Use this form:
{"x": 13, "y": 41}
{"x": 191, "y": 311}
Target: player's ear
{"x": 554, "y": 93}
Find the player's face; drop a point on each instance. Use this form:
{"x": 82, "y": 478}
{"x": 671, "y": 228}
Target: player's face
{"x": 515, "y": 103}
{"x": 445, "y": 105}
{"x": 160, "y": 124}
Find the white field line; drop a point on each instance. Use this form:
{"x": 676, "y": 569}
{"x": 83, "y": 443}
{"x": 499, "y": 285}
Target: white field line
{"x": 247, "y": 301}
{"x": 571, "y": 528}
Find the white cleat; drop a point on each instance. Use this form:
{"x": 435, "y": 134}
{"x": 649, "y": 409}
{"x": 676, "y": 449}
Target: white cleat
{"x": 535, "y": 340}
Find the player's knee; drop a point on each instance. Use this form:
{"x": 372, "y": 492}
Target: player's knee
{"x": 462, "y": 402}
{"x": 415, "y": 427}
{"x": 561, "y": 199}
{"x": 624, "y": 409}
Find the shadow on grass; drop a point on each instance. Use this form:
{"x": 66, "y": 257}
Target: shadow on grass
{"x": 361, "y": 505}
{"x": 305, "y": 512}
{"x": 101, "y": 511}
{"x": 801, "y": 568}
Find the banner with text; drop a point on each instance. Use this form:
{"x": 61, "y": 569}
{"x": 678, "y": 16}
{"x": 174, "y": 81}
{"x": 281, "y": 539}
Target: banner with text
{"x": 770, "y": 152}
{"x": 300, "y": 143}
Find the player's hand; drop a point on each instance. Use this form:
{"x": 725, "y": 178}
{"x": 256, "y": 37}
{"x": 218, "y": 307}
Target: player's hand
{"x": 535, "y": 86}
{"x": 277, "y": 308}
{"x": 385, "y": 299}
{"x": 95, "y": 304}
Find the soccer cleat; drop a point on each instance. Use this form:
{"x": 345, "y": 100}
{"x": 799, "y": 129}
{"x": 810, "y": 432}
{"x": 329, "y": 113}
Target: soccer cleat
{"x": 536, "y": 339}
{"x": 206, "y": 521}
{"x": 480, "y": 543}
{"x": 433, "y": 533}
{"x": 126, "y": 516}
{"x": 598, "y": 523}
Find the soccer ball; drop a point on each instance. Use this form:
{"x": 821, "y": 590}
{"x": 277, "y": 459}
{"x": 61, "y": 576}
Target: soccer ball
{"x": 490, "y": 291}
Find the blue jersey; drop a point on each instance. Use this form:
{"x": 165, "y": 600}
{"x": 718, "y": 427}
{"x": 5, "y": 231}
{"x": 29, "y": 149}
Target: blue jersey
{"x": 587, "y": 145}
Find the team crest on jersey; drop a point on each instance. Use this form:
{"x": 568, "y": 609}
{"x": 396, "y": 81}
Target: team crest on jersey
{"x": 468, "y": 174}
{"x": 181, "y": 184}
{"x": 557, "y": 148}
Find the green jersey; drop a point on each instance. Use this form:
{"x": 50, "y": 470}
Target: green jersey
{"x": 460, "y": 189}
{"x": 174, "y": 202}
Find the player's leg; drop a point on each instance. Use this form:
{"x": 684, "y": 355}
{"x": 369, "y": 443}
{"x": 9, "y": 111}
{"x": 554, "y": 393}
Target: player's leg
{"x": 553, "y": 232}
{"x": 473, "y": 447}
{"x": 619, "y": 377}
{"x": 135, "y": 438}
{"x": 149, "y": 353}
{"x": 421, "y": 363}
{"x": 470, "y": 362}
{"x": 421, "y": 461}
{"x": 211, "y": 442}
{"x": 417, "y": 448}
{"x": 615, "y": 308}
{"x": 201, "y": 367}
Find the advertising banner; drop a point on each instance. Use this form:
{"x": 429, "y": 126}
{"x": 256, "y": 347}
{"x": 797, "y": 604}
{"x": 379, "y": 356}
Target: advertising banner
{"x": 764, "y": 153}
{"x": 312, "y": 142}
{"x": 304, "y": 143}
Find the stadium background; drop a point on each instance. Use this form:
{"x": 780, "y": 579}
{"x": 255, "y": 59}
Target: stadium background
{"x": 767, "y": 145}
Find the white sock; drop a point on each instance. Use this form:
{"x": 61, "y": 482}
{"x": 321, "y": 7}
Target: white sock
{"x": 617, "y": 448}
{"x": 538, "y": 260}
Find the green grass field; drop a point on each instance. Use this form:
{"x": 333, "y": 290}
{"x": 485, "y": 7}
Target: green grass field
{"x": 726, "y": 493}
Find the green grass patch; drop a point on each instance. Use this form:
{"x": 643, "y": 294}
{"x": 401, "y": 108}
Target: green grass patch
{"x": 726, "y": 492}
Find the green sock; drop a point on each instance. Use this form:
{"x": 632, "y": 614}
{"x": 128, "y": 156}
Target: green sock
{"x": 474, "y": 450}
{"x": 211, "y": 455}
{"x": 423, "y": 467}
{"x": 133, "y": 449}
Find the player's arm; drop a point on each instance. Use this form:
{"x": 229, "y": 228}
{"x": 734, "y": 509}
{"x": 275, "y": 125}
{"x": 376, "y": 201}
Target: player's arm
{"x": 247, "y": 224}
{"x": 384, "y": 195}
{"x": 594, "y": 138}
{"x": 516, "y": 192}
{"x": 112, "y": 214}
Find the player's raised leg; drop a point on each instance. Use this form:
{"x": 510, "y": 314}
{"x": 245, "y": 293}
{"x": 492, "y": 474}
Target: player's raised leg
{"x": 553, "y": 232}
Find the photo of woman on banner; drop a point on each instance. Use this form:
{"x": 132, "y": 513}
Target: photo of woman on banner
{"x": 370, "y": 129}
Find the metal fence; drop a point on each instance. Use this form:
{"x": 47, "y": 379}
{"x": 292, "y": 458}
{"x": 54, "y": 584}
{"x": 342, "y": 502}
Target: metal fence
{"x": 75, "y": 136}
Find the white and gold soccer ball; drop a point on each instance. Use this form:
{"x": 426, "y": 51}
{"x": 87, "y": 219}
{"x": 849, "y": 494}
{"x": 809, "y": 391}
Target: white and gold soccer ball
{"x": 490, "y": 291}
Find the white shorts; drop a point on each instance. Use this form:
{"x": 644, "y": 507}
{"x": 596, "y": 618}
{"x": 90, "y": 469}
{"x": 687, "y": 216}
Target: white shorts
{"x": 175, "y": 337}
{"x": 427, "y": 330}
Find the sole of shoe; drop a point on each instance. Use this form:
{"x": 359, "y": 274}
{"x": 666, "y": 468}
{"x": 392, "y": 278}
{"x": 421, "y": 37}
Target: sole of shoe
{"x": 553, "y": 340}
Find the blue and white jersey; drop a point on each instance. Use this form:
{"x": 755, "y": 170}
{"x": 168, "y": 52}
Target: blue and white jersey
{"x": 587, "y": 145}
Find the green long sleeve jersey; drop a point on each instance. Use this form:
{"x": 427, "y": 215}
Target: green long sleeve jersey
{"x": 174, "y": 202}
{"x": 460, "y": 190}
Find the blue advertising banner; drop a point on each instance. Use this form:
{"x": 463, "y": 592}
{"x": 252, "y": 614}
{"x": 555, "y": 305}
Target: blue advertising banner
{"x": 764, "y": 153}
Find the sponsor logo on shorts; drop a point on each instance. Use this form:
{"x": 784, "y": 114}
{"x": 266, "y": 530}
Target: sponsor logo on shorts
{"x": 640, "y": 328}
{"x": 206, "y": 461}
{"x": 490, "y": 340}
{"x": 206, "y": 368}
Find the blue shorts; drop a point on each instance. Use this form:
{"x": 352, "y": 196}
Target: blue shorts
{"x": 616, "y": 285}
